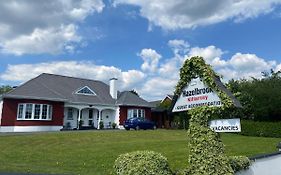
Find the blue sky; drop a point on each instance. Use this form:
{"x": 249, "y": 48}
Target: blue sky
{"x": 143, "y": 43}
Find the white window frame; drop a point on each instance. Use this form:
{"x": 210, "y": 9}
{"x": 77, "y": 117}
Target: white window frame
{"x": 140, "y": 113}
{"x": 93, "y": 93}
{"x": 68, "y": 116}
{"x": 48, "y": 115}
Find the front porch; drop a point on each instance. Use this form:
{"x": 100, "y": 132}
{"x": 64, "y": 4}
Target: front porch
{"x": 88, "y": 116}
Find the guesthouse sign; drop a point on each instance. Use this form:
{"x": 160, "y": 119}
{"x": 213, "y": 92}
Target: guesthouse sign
{"x": 196, "y": 94}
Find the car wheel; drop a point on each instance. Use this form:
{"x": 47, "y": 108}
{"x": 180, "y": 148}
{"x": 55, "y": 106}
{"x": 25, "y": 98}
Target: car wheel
{"x": 154, "y": 127}
{"x": 137, "y": 127}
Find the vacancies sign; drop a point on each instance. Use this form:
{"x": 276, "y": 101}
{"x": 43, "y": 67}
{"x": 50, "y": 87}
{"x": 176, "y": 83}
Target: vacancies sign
{"x": 226, "y": 125}
{"x": 196, "y": 94}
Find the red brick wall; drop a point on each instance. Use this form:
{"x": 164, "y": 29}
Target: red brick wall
{"x": 10, "y": 108}
{"x": 124, "y": 113}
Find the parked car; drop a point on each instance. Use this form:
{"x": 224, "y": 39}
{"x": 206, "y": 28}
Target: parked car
{"x": 139, "y": 123}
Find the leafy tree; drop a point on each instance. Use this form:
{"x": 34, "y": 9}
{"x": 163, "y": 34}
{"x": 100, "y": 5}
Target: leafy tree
{"x": 5, "y": 88}
{"x": 261, "y": 98}
{"x": 166, "y": 104}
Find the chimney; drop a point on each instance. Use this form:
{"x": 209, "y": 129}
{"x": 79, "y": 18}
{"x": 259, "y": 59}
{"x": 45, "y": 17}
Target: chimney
{"x": 112, "y": 87}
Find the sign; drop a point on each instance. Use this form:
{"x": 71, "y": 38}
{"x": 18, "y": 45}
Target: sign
{"x": 226, "y": 125}
{"x": 196, "y": 94}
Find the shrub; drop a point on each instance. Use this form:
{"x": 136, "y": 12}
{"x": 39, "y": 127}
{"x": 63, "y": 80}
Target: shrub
{"x": 113, "y": 125}
{"x": 238, "y": 163}
{"x": 81, "y": 122}
{"x": 260, "y": 129}
{"x": 101, "y": 125}
{"x": 142, "y": 162}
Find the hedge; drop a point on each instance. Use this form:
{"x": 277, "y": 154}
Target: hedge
{"x": 260, "y": 129}
{"x": 238, "y": 163}
{"x": 142, "y": 162}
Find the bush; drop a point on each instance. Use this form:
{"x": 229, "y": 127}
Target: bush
{"x": 101, "y": 125}
{"x": 113, "y": 125}
{"x": 180, "y": 121}
{"x": 142, "y": 162}
{"x": 238, "y": 163}
{"x": 260, "y": 129}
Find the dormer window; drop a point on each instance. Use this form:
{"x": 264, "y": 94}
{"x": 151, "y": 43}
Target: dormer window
{"x": 85, "y": 91}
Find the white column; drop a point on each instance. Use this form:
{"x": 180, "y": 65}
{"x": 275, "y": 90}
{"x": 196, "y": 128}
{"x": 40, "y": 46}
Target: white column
{"x": 99, "y": 118}
{"x": 79, "y": 118}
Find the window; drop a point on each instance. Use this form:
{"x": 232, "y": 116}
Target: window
{"x": 50, "y": 112}
{"x": 70, "y": 114}
{"x": 136, "y": 113}
{"x": 37, "y": 110}
{"x": 44, "y": 111}
{"x": 30, "y": 111}
{"x": 85, "y": 91}
{"x": 20, "y": 111}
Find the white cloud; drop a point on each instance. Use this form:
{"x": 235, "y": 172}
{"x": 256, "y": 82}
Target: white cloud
{"x": 51, "y": 40}
{"x": 39, "y": 26}
{"x": 179, "y": 14}
{"x": 248, "y": 65}
{"x": 157, "y": 87}
{"x": 180, "y": 47}
{"x": 249, "y": 62}
{"x": 211, "y": 54}
{"x": 131, "y": 79}
{"x": 278, "y": 68}
{"x": 150, "y": 60}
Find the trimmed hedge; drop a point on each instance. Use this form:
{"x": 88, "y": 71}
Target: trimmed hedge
{"x": 261, "y": 129}
{"x": 238, "y": 163}
{"x": 142, "y": 162}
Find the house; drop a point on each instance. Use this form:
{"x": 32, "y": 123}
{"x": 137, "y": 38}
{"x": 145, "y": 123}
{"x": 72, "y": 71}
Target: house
{"x": 51, "y": 102}
{"x": 160, "y": 112}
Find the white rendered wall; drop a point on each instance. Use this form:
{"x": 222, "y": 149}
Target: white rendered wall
{"x": 73, "y": 123}
{"x": 29, "y": 128}
{"x": 1, "y": 108}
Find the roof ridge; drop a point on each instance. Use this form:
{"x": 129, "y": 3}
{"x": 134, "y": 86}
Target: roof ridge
{"x": 51, "y": 90}
{"x": 22, "y": 84}
{"x": 81, "y": 78}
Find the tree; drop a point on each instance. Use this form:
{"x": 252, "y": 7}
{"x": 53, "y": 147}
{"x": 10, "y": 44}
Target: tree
{"x": 5, "y": 88}
{"x": 261, "y": 98}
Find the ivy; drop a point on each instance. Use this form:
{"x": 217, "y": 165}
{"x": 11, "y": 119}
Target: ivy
{"x": 206, "y": 154}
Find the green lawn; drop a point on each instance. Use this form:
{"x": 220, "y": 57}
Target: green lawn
{"x": 94, "y": 152}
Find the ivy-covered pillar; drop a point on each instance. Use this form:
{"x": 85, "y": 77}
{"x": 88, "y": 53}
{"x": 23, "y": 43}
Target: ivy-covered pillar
{"x": 201, "y": 93}
{"x": 206, "y": 154}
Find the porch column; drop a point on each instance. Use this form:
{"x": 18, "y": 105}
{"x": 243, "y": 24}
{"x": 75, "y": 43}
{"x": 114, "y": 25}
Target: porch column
{"x": 79, "y": 118}
{"x": 99, "y": 118}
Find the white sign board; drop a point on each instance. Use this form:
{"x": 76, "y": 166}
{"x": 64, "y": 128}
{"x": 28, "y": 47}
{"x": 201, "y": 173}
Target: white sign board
{"x": 226, "y": 125}
{"x": 196, "y": 94}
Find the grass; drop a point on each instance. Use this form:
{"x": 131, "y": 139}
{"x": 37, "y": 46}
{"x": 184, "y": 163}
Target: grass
{"x": 94, "y": 152}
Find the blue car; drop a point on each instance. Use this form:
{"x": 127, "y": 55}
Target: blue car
{"x": 139, "y": 123}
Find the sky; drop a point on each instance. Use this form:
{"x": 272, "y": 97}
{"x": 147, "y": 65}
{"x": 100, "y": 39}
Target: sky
{"x": 143, "y": 43}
